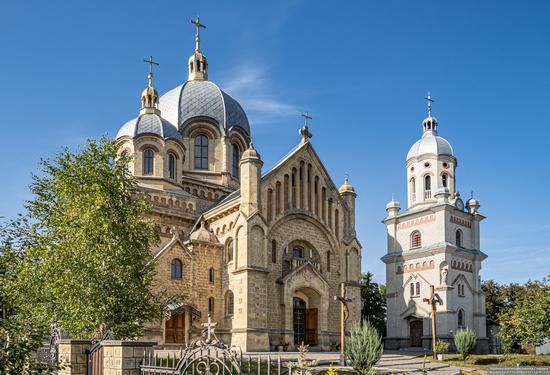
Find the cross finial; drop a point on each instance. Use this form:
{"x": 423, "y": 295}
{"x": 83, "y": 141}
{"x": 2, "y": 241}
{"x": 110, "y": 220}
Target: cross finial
{"x": 304, "y": 131}
{"x": 198, "y": 24}
{"x": 430, "y": 101}
{"x": 346, "y": 176}
{"x": 306, "y": 116}
{"x": 472, "y": 194}
{"x": 151, "y": 62}
{"x": 209, "y": 328}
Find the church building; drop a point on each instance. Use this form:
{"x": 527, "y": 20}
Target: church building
{"x": 264, "y": 252}
{"x": 435, "y": 243}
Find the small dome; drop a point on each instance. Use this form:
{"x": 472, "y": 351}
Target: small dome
{"x": 203, "y": 99}
{"x": 472, "y": 202}
{"x": 149, "y": 124}
{"x": 346, "y": 187}
{"x": 149, "y": 92}
{"x": 430, "y": 144}
{"x": 202, "y": 234}
{"x": 393, "y": 204}
{"x": 251, "y": 153}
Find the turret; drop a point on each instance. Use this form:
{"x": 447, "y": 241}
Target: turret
{"x": 348, "y": 195}
{"x": 251, "y": 172}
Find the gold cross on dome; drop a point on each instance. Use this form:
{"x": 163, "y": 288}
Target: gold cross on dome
{"x": 151, "y": 62}
{"x": 430, "y": 101}
{"x": 198, "y": 24}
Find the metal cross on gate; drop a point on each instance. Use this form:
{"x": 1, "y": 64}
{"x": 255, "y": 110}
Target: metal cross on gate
{"x": 433, "y": 301}
{"x": 209, "y": 329}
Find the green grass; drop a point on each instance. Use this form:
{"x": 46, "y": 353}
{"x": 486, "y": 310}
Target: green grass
{"x": 483, "y": 362}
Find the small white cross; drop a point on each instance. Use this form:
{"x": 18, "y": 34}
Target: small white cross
{"x": 209, "y": 328}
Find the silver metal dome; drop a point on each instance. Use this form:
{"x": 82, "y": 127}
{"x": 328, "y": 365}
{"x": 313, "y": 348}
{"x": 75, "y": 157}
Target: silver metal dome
{"x": 203, "y": 99}
{"x": 430, "y": 144}
{"x": 149, "y": 124}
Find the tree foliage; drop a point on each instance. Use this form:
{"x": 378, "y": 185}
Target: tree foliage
{"x": 465, "y": 342}
{"x": 363, "y": 347}
{"x": 373, "y": 300}
{"x": 81, "y": 253}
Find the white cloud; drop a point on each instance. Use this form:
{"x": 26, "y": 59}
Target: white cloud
{"x": 250, "y": 86}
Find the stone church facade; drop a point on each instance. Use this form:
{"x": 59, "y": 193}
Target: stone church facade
{"x": 435, "y": 242}
{"x": 264, "y": 253}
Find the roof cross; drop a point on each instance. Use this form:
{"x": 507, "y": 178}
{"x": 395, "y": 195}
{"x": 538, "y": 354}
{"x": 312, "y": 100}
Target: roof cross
{"x": 430, "y": 101}
{"x": 307, "y": 116}
{"x": 209, "y": 328}
{"x": 198, "y": 24}
{"x": 151, "y": 62}
{"x": 304, "y": 131}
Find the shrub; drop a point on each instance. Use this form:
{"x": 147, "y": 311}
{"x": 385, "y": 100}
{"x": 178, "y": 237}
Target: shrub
{"x": 465, "y": 342}
{"x": 363, "y": 347}
{"x": 442, "y": 347}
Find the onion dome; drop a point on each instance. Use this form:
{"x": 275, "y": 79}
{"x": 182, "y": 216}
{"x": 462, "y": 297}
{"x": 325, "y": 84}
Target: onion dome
{"x": 393, "y": 207}
{"x": 346, "y": 188}
{"x": 473, "y": 205}
{"x": 250, "y": 153}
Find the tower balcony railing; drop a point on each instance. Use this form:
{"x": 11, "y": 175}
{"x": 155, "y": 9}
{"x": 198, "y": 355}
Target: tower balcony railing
{"x": 427, "y": 194}
{"x": 298, "y": 262}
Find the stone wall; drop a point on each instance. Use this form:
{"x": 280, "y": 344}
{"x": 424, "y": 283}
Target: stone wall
{"x": 72, "y": 355}
{"x": 124, "y": 357}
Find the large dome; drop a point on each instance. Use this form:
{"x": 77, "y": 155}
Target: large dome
{"x": 149, "y": 124}
{"x": 430, "y": 144}
{"x": 202, "y": 99}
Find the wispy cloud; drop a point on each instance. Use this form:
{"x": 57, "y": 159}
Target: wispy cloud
{"x": 251, "y": 87}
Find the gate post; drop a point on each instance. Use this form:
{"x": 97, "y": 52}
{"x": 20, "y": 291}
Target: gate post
{"x": 72, "y": 356}
{"x": 124, "y": 357}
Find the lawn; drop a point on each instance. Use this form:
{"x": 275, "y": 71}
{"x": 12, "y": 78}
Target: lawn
{"x": 483, "y": 362}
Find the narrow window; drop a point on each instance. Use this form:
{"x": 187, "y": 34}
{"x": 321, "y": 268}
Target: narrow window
{"x": 277, "y": 198}
{"x": 274, "y": 251}
{"x": 337, "y": 223}
{"x": 211, "y": 305}
{"x": 293, "y": 184}
{"x": 323, "y": 199}
{"x": 416, "y": 239}
{"x": 458, "y": 237}
{"x": 269, "y": 204}
{"x": 236, "y": 160}
{"x": 413, "y": 189}
{"x": 211, "y": 275}
{"x": 301, "y": 179}
{"x": 444, "y": 179}
{"x": 309, "y": 188}
{"x": 412, "y": 289}
{"x": 427, "y": 187}
{"x": 191, "y": 65}
{"x": 229, "y": 251}
{"x": 316, "y": 195}
{"x": 286, "y": 202}
{"x": 298, "y": 252}
{"x": 201, "y": 152}
{"x": 460, "y": 318}
{"x": 148, "y": 159}
{"x": 328, "y": 261}
{"x": 176, "y": 269}
{"x": 417, "y": 288}
{"x": 229, "y": 303}
{"x": 171, "y": 166}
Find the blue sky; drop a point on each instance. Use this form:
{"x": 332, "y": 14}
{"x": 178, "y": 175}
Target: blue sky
{"x": 72, "y": 70}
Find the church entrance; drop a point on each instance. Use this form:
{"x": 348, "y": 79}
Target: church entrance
{"x": 416, "y": 328}
{"x": 175, "y": 329}
{"x": 305, "y": 323}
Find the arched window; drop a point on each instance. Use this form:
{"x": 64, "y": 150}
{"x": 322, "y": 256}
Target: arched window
{"x": 229, "y": 251}
{"x": 176, "y": 269}
{"x": 417, "y": 288}
{"x": 337, "y": 223}
{"x": 412, "y": 184}
{"x": 412, "y": 289}
{"x": 293, "y": 186}
{"x": 297, "y": 252}
{"x": 316, "y": 194}
{"x": 171, "y": 166}
{"x": 211, "y": 305}
{"x": 274, "y": 251}
{"x": 211, "y": 275}
{"x": 328, "y": 261}
{"x": 427, "y": 186}
{"x": 416, "y": 239}
{"x": 278, "y": 198}
{"x": 229, "y": 303}
{"x": 236, "y": 160}
{"x": 444, "y": 180}
{"x": 201, "y": 152}
{"x": 148, "y": 161}
{"x": 460, "y": 318}
{"x": 458, "y": 237}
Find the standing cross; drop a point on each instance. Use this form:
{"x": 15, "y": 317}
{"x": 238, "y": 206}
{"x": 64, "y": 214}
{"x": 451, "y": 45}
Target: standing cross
{"x": 198, "y": 24}
{"x": 151, "y": 62}
{"x": 433, "y": 301}
{"x": 304, "y": 131}
{"x": 346, "y": 176}
{"x": 209, "y": 328}
{"x": 307, "y": 117}
{"x": 430, "y": 101}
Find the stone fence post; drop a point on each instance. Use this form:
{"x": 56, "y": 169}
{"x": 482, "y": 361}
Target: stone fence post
{"x": 72, "y": 355}
{"x": 124, "y": 357}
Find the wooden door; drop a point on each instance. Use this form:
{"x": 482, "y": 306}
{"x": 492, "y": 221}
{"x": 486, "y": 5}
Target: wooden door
{"x": 416, "y": 328}
{"x": 311, "y": 327}
{"x": 175, "y": 329}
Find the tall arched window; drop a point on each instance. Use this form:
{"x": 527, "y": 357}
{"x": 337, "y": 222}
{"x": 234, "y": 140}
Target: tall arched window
{"x": 176, "y": 269}
{"x": 229, "y": 251}
{"x": 171, "y": 166}
{"x": 316, "y": 194}
{"x": 211, "y": 274}
{"x": 417, "y": 288}
{"x": 412, "y": 183}
{"x": 328, "y": 261}
{"x": 337, "y": 223}
{"x": 416, "y": 239}
{"x": 444, "y": 180}
{"x": 211, "y": 305}
{"x": 274, "y": 251}
{"x": 458, "y": 237}
{"x": 278, "y": 198}
{"x": 412, "y": 289}
{"x": 460, "y": 318}
{"x": 148, "y": 162}
{"x": 229, "y": 303}
{"x": 236, "y": 160}
{"x": 201, "y": 152}
{"x": 293, "y": 185}
{"x": 427, "y": 186}
{"x": 269, "y": 204}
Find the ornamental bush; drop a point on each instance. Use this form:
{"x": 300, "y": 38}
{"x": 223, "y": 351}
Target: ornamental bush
{"x": 442, "y": 347}
{"x": 465, "y": 342}
{"x": 363, "y": 347}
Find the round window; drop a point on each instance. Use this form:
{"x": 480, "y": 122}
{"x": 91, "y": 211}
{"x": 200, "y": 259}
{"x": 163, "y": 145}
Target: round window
{"x": 426, "y": 164}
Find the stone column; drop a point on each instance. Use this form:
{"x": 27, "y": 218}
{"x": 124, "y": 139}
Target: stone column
{"x": 124, "y": 357}
{"x": 188, "y": 322}
{"x": 72, "y": 355}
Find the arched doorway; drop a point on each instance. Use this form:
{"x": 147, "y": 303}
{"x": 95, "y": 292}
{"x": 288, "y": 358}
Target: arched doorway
{"x": 416, "y": 328}
{"x": 305, "y": 320}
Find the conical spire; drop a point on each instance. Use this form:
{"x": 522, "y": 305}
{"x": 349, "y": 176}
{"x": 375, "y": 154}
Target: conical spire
{"x": 150, "y": 96}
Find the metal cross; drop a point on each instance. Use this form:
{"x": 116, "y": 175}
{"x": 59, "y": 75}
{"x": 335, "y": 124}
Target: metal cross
{"x": 209, "y": 328}
{"x": 307, "y": 117}
{"x": 430, "y": 101}
{"x": 151, "y": 62}
{"x": 346, "y": 176}
{"x": 198, "y": 24}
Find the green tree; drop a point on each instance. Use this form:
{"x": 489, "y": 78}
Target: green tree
{"x": 82, "y": 249}
{"x": 373, "y": 300}
{"x": 363, "y": 347}
{"x": 495, "y": 302}
{"x": 527, "y": 322}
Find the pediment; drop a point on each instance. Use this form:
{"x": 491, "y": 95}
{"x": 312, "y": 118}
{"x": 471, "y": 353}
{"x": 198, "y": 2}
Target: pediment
{"x": 415, "y": 310}
{"x": 306, "y": 272}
